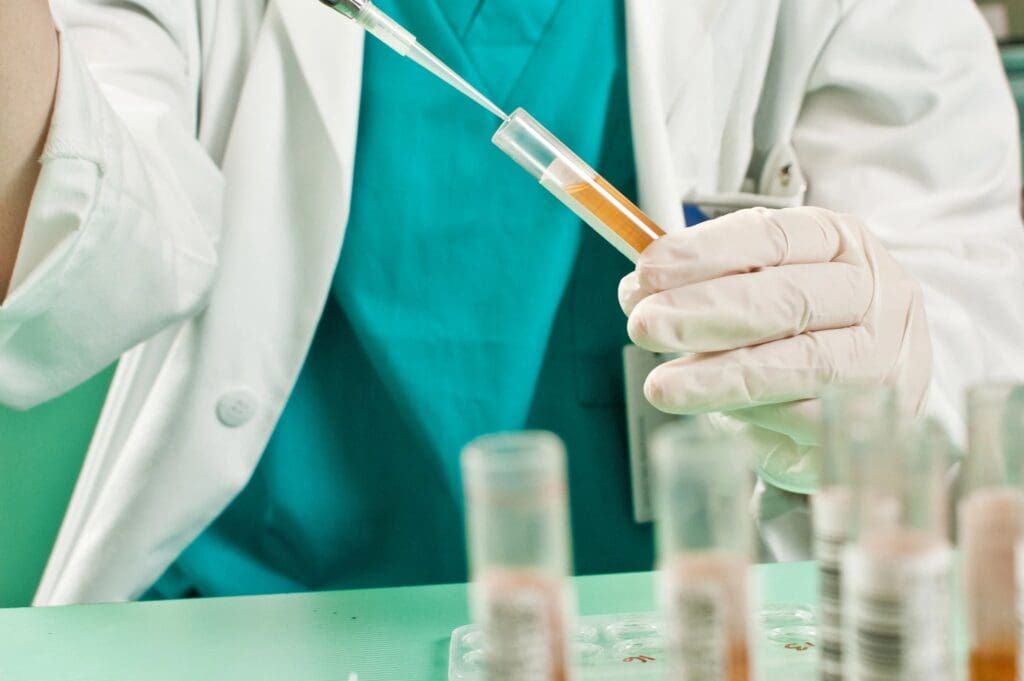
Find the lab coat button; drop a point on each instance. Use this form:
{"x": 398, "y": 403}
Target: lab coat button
{"x": 236, "y": 408}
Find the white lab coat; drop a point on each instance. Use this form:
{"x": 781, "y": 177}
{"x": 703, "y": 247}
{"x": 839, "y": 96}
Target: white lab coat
{"x": 196, "y": 184}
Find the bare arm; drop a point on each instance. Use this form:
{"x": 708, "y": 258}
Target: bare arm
{"x": 28, "y": 77}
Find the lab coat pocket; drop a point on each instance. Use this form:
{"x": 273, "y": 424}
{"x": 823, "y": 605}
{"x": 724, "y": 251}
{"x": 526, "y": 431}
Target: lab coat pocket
{"x": 781, "y": 184}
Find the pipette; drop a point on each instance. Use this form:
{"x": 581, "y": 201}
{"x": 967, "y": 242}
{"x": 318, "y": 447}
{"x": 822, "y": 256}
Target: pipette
{"x": 392, "y": 34}
{"x": 528, "y": 143}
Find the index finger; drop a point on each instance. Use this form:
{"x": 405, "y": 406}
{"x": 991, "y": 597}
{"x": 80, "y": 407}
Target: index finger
{"x": 741, "y": 242}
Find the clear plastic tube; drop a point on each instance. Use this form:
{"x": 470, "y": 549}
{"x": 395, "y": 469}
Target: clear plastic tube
{"x": 520, "y": 556}
{"x": 991, "y": 524}
{"x": 857, "y": 420}
{"x": 897, "y": 569}
{"x": 576, "y": 185}
{"x": 704, "y": 544}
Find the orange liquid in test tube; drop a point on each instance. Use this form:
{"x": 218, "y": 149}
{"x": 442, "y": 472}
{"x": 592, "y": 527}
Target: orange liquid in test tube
{"x": 994, "y": 664}
{"x": 616, "y": 212}
{"x": 617, "y": 219}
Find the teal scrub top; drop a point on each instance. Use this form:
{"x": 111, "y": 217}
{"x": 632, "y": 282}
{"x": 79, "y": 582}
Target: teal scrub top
{"x": 467, "y": 300}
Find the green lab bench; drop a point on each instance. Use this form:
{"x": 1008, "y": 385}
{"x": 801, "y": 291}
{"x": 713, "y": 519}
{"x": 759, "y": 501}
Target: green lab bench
{"x": 383, "y": 634}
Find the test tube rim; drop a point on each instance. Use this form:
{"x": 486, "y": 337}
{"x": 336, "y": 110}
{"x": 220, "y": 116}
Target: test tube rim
{"x": 693, "y": 454}
{"x": 844, "y": 434}
{"x": 521, "y": 119}
{"x": 988, "y": 392}
{"x": 544, "y": 452}
{"x": 994, "y": 404}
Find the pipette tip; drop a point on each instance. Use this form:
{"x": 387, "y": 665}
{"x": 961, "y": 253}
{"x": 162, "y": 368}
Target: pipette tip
{"x": 496, "y": 111}
{"x": 427, "y": 60}
{"x": 392, "y": 34}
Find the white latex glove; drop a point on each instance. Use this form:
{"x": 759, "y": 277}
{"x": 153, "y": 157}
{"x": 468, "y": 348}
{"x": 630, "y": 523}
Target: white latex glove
{"x": 776, "y": 305}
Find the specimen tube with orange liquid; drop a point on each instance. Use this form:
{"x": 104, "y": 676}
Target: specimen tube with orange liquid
{"x": 704, "y": 534}
{"x": 897, "y": 567}
{"x": 990, "y": 527}
{"x": 576, "y": 185}
{"x": 857, "y": 420}
{"x": 519, "y": 554}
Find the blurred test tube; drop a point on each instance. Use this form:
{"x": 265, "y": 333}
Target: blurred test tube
{"x": 857, "y": 420}
{"x": 704, "y": 535}
{"x": 520, "y": 555}
{"x": 897, "y": 566}
{"x": 990, "y": 526}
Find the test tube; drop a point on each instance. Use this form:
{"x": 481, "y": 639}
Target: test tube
{"x": 704, "y": 535}
{"x": 520, "y": 556}
{"x": 857, "y": 420}
{"x": 990, "y": 527}
{"x": 576, "y": 185}
{"x": 897, "y": 567}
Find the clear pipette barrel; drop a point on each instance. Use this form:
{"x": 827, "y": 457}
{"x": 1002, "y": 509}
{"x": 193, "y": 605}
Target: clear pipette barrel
{"x": 991, "y": 523}
{"x": 520, "y": 556}
{"x": 395, "y": 36}
{"x": 576, "y": 185}
{"x": 704, "y": 536}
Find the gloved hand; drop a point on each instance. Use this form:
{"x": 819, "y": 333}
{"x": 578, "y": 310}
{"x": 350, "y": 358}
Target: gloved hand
{"x": 776, "y": 305}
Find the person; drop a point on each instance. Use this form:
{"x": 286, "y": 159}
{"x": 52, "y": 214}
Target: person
{"x": 321, "y": 280}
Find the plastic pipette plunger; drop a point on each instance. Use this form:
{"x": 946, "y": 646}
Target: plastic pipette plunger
{"x": 392, "y": 34}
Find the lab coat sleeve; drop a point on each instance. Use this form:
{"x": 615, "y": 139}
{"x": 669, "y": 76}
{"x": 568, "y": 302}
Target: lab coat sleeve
{"x": 909, "y": 124}
{"x": 120, "y": 237}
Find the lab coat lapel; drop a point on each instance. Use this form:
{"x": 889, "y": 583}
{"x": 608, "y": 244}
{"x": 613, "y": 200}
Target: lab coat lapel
{"x": 329, "y": 49}
{"x": 128, "y": 520}
{"x": 693, "y": 90}
{"x": 665, "y": 43}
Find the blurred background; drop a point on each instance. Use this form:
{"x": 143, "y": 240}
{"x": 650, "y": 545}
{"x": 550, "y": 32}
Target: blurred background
{"x": 41, "y": 451}
{"x": 1006, "y": 17}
